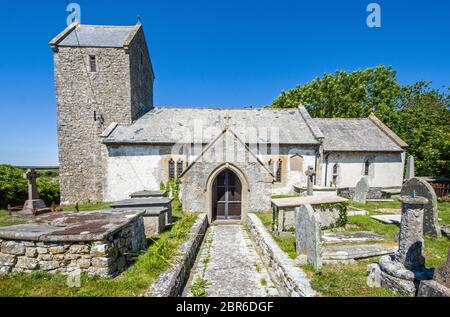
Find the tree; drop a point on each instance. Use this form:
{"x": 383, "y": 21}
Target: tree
{"x": 417, "y": 113}
{"x": 13, "y": 186}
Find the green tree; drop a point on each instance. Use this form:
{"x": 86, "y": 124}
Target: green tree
{"x": 13, "y": 186}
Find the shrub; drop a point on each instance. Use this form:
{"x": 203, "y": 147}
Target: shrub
{"x": 13, "y": 186}
{"x": 48, "y": 190}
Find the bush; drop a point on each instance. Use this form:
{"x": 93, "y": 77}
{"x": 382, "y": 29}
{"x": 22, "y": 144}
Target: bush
{"x": 13, "y": 186}
{"x": 48, "y": 191}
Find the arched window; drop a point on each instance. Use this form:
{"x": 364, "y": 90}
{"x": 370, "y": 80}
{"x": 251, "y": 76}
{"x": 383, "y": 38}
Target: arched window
{"x": 171, "y": 169}
{"x": 335, "y": 169}
{"x": 367, "y": 168}
{"x": 279, "y": 169}
{"x": 271, "y": 166}
{"x": 179, "y": 168}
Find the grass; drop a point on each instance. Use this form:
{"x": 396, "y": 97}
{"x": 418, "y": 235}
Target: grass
{"x": 6, "y": 220}
{"x": 345, "y": 281}
{"x": 198, "y": 288}
{"x": 284, "y": 196}
{"x": 87, "y": 207}
{"x": 133, "y": 282}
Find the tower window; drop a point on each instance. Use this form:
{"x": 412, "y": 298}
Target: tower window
{"x": 335, "y": 169}
{"x": 93, "y": 63}
{"x": 142, "y": 59}
{"x": 271, "y": 166}
{"x": 171, "y": 169}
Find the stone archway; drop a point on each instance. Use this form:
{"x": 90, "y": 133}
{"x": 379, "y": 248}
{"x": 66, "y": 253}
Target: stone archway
{"x": 241, "y": 179}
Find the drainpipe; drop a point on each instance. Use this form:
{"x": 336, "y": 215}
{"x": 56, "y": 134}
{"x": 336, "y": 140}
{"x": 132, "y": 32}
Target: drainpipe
{"x": 326, "y": 168}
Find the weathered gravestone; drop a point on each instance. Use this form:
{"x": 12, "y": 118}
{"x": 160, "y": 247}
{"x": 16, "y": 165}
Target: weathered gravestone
{"x": 404, "y": 270}
{"x": 361, "y": 191}
{"x": 34, "y": 204}
{"x": 410, "y": 173}
{"x": 416, "y": 186}
{"x": 440, "y": 285}
{"x": 307, "y": 232}
{"x": 310, "y": 184}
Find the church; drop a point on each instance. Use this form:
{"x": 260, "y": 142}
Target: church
{"x": 113, "y": 141}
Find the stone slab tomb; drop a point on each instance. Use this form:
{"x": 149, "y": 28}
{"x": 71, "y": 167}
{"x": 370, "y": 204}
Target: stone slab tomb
{"x": 97, "y": 243}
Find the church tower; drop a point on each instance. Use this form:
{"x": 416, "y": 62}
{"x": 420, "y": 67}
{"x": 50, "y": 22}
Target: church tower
{"x": 103, "y": 77}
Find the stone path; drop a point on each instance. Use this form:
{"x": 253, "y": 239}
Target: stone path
{"x": 229, "y": 266}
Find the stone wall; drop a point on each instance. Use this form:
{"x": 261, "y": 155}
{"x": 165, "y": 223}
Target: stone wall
{"x": 291, "y": 279}
{"x": 171, "y": 282}
{"x": 374, "y": 193}
{"x": 105, "y": 258}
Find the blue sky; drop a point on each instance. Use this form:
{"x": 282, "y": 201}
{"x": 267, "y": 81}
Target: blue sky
{"x": 215, "y": 53}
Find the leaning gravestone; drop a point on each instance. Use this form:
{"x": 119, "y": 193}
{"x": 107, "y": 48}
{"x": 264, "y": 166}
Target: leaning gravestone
{"x": 361, "y": 191}
{"x": 440, "y": 285}
{"x": 307, "y": 232}
{"x": 416, "y": 186}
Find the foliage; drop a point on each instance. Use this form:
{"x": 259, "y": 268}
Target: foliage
{"x": 342, "y": 207}
{"x": 13, "y": 186}
{"x": 48, "y": 190}
{"x": 133, "y": 282}
{"x": 162, "y": 186}
{"x": 173, "y": 188}
{"x": 419, "y": 114}
{"x": 198, "y": 288}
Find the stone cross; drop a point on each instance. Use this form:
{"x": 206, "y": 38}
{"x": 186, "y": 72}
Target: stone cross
{"x": 410, "y": 250}
{"x": 31, "y": 176}
{"x": 410, "y": 168}
{"x": 227, "y": 120}
{"x": 310, "y": 186}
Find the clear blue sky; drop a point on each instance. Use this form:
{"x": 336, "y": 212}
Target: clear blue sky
{"x": 215, "y": 53}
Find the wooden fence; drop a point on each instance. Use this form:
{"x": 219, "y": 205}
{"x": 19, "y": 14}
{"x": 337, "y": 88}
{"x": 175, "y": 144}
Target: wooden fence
{"x": 442, "y": 190}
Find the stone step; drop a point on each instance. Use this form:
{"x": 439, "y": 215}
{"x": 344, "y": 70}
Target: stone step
{"x": 354, "y": 252}
{"x": 148, "y": 194}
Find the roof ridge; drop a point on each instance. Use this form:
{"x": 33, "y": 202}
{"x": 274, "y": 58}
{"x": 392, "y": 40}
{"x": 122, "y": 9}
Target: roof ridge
{"x": 224, "y": 108}
{"x": 106, "y": 26}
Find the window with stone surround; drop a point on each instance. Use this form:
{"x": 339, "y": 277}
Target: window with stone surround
{"x": 171, "y": 169}
{"x": 179, "y": 168}
{"x": 93, "y": 63}
{"x": 367, "y": 168}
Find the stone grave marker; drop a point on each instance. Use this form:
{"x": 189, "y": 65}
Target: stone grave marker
{"x": 410, "y": 168}
{"x": 361, "y": 191}
{"x": 419, "y": 187}
{"x": 440, "y": 285}
{"x": 33, "y": 203}
{"x": 310, "y": 185}
{"x": 307, "y": 232}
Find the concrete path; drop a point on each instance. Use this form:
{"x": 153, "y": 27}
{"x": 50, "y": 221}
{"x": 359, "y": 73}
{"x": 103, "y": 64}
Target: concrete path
{"x": 229, "y": 266}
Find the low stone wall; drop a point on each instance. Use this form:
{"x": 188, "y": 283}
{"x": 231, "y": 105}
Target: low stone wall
{"x": 290, "y": 277}
{"x": 171, "y": 282}
{"x": 106, "y": 257}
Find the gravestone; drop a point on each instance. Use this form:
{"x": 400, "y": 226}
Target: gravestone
{"x": 307, "y": 233}
{"x": 34, "y": 204}
{"x": 361, "y": 191}
{"x": 419, "y": 187}
{"x": 440, "y": 285}
{"x": 403, "y": 270}
{"x": 310, "y": 178}
{"x": 410, "y": 173}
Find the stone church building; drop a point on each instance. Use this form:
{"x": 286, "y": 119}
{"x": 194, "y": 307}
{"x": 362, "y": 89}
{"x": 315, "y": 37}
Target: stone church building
{"x": 113, "y": 141}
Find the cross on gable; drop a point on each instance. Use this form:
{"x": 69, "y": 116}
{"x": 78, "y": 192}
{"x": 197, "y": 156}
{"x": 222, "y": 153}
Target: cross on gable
{"x": 227, "y": 118}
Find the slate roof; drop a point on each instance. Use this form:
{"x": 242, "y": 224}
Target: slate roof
{"x": 97, "y": 36}
{"x": 355, "y": 135}
{"x": 172, "y": 125}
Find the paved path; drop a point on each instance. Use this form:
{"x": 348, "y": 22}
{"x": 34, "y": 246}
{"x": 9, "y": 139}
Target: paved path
{"x": 230, "y": 266}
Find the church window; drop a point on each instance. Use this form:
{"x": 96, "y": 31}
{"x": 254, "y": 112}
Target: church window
{"x": 93, "y": 63}
{"x": 335, "y": 169}
{"x": 179, "y": 168}
{"x": 271, "y": 166}
{"x": 171, "y": 169}
{"x": 367, "y": 168}
{"x": 279, "y": 169}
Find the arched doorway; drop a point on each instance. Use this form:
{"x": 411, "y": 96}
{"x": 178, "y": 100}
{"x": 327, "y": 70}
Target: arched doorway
{"x": 226, "y": 196}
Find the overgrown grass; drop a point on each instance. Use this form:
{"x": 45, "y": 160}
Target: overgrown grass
{"x": 345, "y": 281}
{"x": 6, "y": 220}
{"x": 87, "y": 207}
{"x": 133, "y": 282}
{"x": 198, "y": 288}
{"x": 284, "y": 196}
{"x": 365, "y": 223}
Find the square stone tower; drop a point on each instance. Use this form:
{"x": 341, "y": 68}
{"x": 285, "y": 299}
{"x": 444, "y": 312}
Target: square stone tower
{"x": 103, "y": 77}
